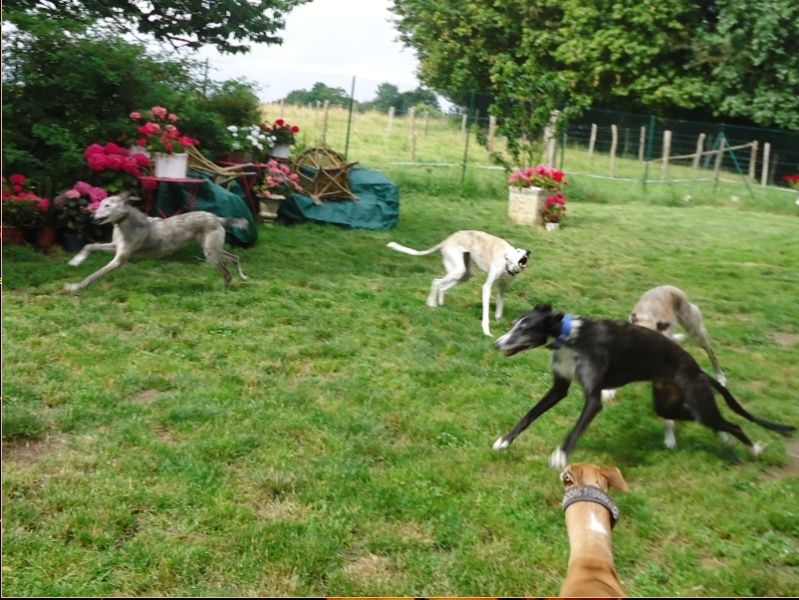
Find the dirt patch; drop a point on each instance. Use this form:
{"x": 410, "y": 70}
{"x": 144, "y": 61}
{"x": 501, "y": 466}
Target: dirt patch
{"x": 276, "y": 509}
{"x": 146, "y": 397}
{"x": 28, "y": 451}
{"x": 413, "y": 532}
{"x": 370, "y": 568}
{"x": 791, "y": 467}
{"x": 165, "y": 434}
{"x": 786, "y": 339}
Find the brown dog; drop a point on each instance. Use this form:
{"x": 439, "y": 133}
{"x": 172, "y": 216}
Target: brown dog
{"x": 590, "y": 516}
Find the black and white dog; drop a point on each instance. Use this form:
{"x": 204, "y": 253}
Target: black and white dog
{"x": 603, "y": 354}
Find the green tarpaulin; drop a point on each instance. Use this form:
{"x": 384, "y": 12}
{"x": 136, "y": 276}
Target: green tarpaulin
{"x": 377, "y": 206}
{"x": 175, "y": 197}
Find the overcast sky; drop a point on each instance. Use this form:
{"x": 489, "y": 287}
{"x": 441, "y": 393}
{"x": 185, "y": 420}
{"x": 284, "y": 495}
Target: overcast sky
{"x": 329, "y": 41}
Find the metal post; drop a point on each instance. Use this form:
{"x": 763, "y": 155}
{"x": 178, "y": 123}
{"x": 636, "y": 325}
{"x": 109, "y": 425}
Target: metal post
{"x": 349, "y": 119}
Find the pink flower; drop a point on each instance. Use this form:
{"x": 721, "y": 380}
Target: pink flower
{"x": 73, "y": 194}
{"x": 141, "y": 142}
{"x": 172, "y": 117}
{"x": 159, "y": 111}
{"x": 136, "y": 115}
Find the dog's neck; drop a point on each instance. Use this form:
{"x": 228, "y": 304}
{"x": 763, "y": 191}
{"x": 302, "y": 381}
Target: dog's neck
{"x": 568, "y": 326}
{"x": 591, "y": 545}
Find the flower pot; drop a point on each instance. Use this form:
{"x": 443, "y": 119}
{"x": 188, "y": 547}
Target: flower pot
{"x": 552, "y": 226}
{"x": 45, "y": 236}
{"x": 171, "y": 166}
{"x": 12, "y": 235}
{"x": 525, "y": 204}
{"x": 281, "y": 151}
{"x": 269, "y": 208}
{"x": 135, "y": 149}
{"x": 71, "y": 241}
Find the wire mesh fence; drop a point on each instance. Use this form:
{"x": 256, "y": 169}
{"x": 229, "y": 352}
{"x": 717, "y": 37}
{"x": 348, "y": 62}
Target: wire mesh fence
{"x": 599, "y": 143}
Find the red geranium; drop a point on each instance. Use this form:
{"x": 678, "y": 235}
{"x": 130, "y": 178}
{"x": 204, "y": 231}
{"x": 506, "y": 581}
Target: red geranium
{"x": 157, "y": 132}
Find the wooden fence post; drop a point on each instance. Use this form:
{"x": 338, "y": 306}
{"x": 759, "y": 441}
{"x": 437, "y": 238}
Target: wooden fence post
{"x": 614, "y": 140}
{"x": 719, "y": 158}
{"x": 463, "y": 122}
{"x": 390, "y": 119}
{"x": 412, "y": 118}
{"x": 426, "y": 121}
{"x": 492, "y": 128}
{"x": 642, "y": 144}
{"x": 592, "y": 140}
{"x": 700, "y": 147}
{"x": 666, "y": 153}
{"x": 753, "y": 161}
{"x": 324, "y": 123}
{"x": 764, "y": 173}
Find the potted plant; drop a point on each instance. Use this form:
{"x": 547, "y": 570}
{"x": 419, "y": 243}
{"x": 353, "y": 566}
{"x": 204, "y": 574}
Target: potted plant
{"x": 159, "y": 136}
{"x": 73, "y": 214}
{"x": 528, "y": 190}
{"x": 248, "y": 143}
{"x": 553, "y": 211}
{"x": 115, "y": 168}
{"x": 22, "y": 209}
{"x": 279, "y": 182}
{"x": 284, "y": 137}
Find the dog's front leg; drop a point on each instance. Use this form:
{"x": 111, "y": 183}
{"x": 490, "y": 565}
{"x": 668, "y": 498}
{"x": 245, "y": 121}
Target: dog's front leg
{"x": 558, "y": 391}
{"x": 115, "y": 263}
{"x": 489, "y": 283}
{"x": 502, "y": 285}
{"x": 87, "y": 249}
{"x": 593, "y": 404}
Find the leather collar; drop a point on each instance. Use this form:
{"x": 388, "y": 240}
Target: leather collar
{"x": 591, "y": 493}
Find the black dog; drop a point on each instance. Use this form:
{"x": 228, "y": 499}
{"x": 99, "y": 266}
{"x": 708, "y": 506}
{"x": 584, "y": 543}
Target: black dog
{"x": 604, "y": 354}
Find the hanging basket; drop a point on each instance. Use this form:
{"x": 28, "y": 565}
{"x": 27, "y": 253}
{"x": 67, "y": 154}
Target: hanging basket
{"x": 171, "y": 166}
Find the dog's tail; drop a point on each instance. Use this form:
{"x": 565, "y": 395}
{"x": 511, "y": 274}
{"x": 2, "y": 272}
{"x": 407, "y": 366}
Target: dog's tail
{"x": 235, "y": 223}
{"x": 411, "y": 251}
{"x": 733, "y": 404}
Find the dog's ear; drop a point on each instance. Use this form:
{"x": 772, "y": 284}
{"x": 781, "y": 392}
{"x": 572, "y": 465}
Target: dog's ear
{"x": 614, "y": 478}
{"x": 546, "y": 307}
{"x": 123, "y": 196}
{"x": 663, "y": 325}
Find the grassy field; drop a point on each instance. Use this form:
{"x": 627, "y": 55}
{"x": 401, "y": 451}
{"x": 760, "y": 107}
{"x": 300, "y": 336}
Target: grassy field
{"x": 321, "y": 431}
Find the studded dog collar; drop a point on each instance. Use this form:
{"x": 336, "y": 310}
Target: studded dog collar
{"x": 591, "y": 493}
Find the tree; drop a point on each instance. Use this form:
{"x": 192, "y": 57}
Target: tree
{"x": 318, "y": 93}
{"x": 754, "y": 56}
{"x": 230, "y": 25}
{"x": 679, "y": 58}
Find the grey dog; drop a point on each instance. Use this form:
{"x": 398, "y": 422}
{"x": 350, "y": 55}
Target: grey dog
{"x": 136, "y": 233}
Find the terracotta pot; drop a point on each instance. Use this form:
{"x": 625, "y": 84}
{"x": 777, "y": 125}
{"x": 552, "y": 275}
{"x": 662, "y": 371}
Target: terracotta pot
{"x": 12, "y": 235}
{"x": 45, "y": 236}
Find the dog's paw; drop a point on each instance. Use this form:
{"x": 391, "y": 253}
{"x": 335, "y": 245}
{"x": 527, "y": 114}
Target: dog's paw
{"x": 608, "y": 395}
{"x": 722, "y": 379}
{"x": 501, "y": 443}
{"x": 558, "y": 460}
{"x": 76, "y": 260}
{"x": 679, "y": 337}
{"x": 71, "y": 288}
{"x": 669, "y": 440}
{"x": 726, "y": 438}
{"x": 757, "y": 448}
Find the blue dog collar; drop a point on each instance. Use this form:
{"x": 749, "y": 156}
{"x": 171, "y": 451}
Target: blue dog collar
{"x": 565, "y": 332}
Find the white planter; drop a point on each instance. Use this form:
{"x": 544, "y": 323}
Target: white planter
{"x": 269, "y": 208}
{"x": 281, "y": 151}
{"x": 139, "y": 150}
{"x": 552, "y": 226}
{"x": 171, "y": 166}
{"x": 524, "y": 204}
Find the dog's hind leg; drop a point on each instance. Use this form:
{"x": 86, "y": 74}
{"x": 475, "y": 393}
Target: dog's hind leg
{"x": 456, "y": 264}
{"x": 502, "y": 286}
{"x": 690, "y": 317}
{"x": 237, "y": 261}
{"x": 699, "y": 398}
{"x": 558, "y": 391}
{"x": 87, "y": 249}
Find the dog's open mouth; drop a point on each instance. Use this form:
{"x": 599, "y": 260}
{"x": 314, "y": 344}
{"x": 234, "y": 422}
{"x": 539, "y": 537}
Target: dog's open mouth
{"x": 514, "y": 350}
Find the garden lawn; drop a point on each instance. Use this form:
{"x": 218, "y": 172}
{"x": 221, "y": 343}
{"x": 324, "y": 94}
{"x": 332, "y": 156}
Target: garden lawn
{"x": 320, "y": 431}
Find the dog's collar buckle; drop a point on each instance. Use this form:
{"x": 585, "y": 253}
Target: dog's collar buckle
{"x": 591, "y": 493}
{"x": 565, "y": 332}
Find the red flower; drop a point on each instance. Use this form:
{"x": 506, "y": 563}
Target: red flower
{"x": 18, "y": 179}
{"x": 295, "y": 129}
{"x": 280, "y": 122}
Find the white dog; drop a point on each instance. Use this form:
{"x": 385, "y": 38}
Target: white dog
{"x": 659, "y": 309}
{"x": 492, "y": 254}
{"x": 135, "y": 233}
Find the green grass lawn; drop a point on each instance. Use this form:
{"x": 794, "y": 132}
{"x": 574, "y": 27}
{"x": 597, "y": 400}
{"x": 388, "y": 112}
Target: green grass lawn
{"x": 321, "y": 431}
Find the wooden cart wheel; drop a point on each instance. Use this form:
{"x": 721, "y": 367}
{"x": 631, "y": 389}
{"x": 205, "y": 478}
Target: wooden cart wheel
{"x": 323, "y": 174}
